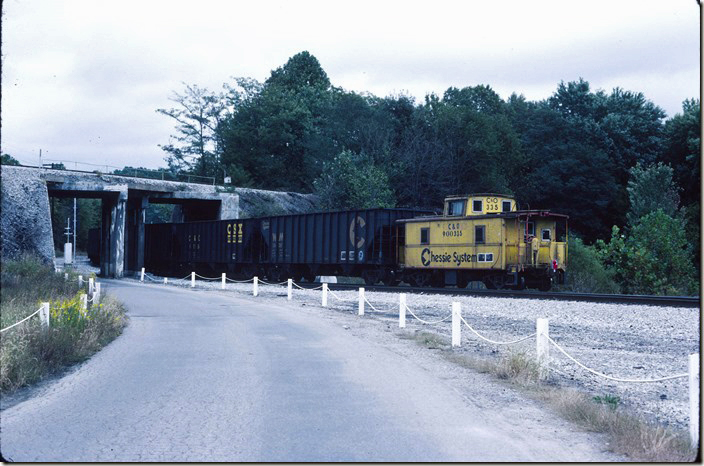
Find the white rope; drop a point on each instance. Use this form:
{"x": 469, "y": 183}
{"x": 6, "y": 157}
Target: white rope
{"x": 377, "y": 310}
{"x": 340, "y": 299}
{"x": 425, "y": 321}
{"x": 262, "y": 282}
{"x": 21, "y": 321}
{"x": 614, "y": 378}
{"x": 239, "y": 281}
{"x": 312, "y": 289}
{"x": 496, "y": 342}
{"x": 208, "y": 278}
{"x": 150, "y": 278}
{"x": 90, "y": 300}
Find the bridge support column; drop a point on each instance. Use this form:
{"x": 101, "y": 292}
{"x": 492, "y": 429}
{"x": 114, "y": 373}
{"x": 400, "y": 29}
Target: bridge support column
{"x": 134, "y": 235}
{"x": 112, "y": 257}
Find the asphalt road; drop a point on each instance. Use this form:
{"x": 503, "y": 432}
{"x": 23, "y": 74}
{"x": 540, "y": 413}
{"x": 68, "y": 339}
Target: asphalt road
{"x": 203, "y": 376}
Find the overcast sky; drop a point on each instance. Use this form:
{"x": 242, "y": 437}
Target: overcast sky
{"x": 81, "y": 79}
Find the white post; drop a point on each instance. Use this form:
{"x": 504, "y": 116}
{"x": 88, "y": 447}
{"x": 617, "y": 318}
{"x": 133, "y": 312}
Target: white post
{"x": 456, "y": 329}
{"x": 141, "y": 279}
{"x": 84, "y": 302}
{"x": 66, "y": 276}
{"x": 402, "y": 310}
{"x": 90, "y": 285}
{"x": 255, "y": 286}
{"x": 542, "y": 347}
{"x": 193, "y": 279}
{"x": 224, "y": 277}
{"x": 44, "y": 315}
{"x": 96, "y": 294}
{"x": 325, "y": 294}
{"x": 694, "y": 399}
{"x": 80, "y": 281}
{"x": 360, "y": 311}
{"x": 290, "y": 289}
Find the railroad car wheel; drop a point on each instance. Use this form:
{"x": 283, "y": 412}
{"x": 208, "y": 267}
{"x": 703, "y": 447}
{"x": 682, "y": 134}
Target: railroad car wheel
{"x": 545, "y": 284}
{"x": 370, "y": 277}
{"x": 462, "y": 281}
{"x": 390, "y": 279}
{"x": 494, "y": 282}
{"x": 419, "y": 279}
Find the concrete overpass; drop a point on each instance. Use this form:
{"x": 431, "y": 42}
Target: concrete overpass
{"x": 26, "y": 221}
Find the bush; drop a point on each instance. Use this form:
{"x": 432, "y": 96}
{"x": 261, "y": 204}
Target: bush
{"x": 586, "y": 274}
{"x": 29, "y": 352}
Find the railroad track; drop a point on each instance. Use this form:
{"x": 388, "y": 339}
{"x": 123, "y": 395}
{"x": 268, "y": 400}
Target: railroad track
{"x": 676, "y": 301}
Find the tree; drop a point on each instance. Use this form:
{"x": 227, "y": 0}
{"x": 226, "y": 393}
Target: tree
{"x": 7, "y": 159}
{"x": 352, "y": 181}
{"x": 681, "y": 149}
{"x": 586, "y": 273}
{"x": 655, "y": 257}
{"x": 277, "y": 135}
{"x": 198, "y": 115}
{"x": 649, "y": 189}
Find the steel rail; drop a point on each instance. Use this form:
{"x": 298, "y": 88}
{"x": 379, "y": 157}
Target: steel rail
{"x": 651, "y": 300}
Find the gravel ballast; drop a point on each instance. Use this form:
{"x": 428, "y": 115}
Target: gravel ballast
{"x": 620, "y": 340}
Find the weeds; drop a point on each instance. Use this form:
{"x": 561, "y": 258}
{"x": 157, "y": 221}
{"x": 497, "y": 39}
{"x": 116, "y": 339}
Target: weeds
{"x": 29, "y": 351}
{"x": 628, "y": 434}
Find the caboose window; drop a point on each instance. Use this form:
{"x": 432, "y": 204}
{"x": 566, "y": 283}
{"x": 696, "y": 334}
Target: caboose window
{"x": 546, "y": 234}
{"x": 424, "y": 235}
{"x": 477, "y": 206}
{"x": 455, "y": 208}
{"x": 506, "y": 206}
{"x": 479, "y": 234}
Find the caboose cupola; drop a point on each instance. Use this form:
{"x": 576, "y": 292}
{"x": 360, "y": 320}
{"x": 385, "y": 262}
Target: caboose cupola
{"x": 478, "y": 204}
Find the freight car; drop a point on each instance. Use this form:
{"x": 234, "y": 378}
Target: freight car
{"x": 480, "y": 237}
{"x": 357, "y": 243}
{"x": 484, "y": 237}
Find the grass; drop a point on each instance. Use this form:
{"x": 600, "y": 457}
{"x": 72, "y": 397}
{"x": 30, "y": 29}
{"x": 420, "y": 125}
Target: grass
{"x": 29, "y": 352}
{"x": 628, "y": 434}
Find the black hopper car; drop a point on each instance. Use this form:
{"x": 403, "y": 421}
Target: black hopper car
{"x": 356, "y": 243}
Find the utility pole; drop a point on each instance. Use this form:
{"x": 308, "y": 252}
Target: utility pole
{"x": 74, "y": 228}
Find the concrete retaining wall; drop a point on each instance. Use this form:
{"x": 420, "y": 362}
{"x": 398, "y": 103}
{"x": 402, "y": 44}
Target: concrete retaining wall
{"x": 25, "y": 218}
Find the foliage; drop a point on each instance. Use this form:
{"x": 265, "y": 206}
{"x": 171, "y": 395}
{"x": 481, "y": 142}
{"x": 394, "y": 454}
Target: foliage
{"x": 655, "y": 257}
{"x": 89, "y": 213}
{"x": 29, "y": 352}
{"x": 7, "y": 159}
{"x": 611, "y": 401}
{"x": 649, "y": 189}
{"x": 682, "y": 149}
{"x": 586, "y": 274}
{"x": 352, "y": 181}
{"x": 195, "y": 147}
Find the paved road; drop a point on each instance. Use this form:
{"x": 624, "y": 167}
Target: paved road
{"x": 201, "y": 376}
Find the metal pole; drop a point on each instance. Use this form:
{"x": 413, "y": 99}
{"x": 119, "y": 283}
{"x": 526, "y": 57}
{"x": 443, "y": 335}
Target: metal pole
{"x": 74, "y": 229}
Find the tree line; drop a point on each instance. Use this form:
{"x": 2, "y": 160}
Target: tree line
{"x": 607, "y": 159}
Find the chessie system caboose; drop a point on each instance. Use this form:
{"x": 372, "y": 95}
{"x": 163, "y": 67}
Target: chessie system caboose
{"x": 484, "y": 237}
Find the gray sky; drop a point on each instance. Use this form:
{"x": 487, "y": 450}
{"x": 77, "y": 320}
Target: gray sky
{"x": 81, "y": 79}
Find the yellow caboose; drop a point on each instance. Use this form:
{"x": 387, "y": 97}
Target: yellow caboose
{"x": 485, "y": 237}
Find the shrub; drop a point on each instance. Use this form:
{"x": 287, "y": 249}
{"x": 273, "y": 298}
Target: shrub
{"x": 29, "y": 352}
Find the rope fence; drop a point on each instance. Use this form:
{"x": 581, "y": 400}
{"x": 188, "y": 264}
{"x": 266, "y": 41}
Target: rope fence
{"x": 615, "y": 379}
{"x": 425, "y": 321}
{"x": 541, "y": 335}
{"x": 497, "y": 342}
{"x": 23, "y": 320}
